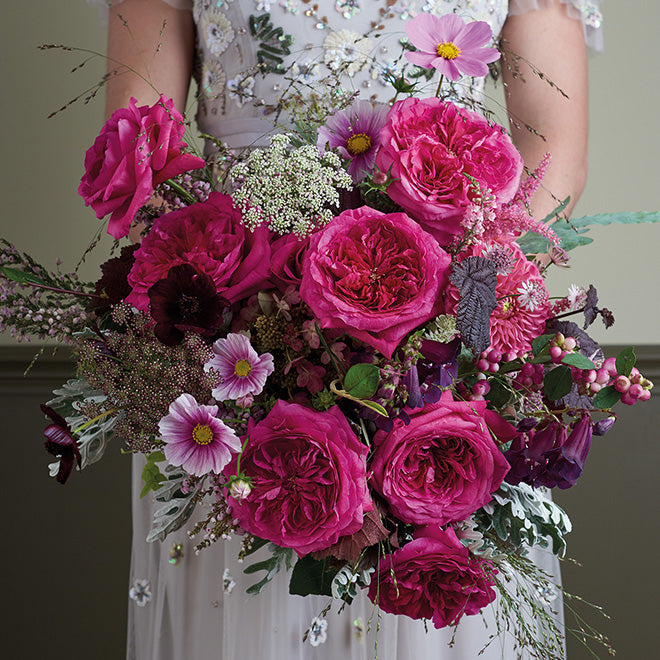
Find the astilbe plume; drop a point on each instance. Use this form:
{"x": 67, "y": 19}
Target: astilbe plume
{"x": 158, "y": 373}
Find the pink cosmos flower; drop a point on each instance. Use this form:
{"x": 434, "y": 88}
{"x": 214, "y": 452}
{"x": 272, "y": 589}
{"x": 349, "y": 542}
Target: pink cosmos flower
{"x": 440, "y": 467}
{"x": 137, "y": 149}
{"x": 434, "y": 149}
{"x": 195, "y": 438}
{"x": 308, "y": 475}
{"x": 210, "y": 237}
{"x": 433, "y": 577}
{"x": 519, "y": 317}
{"x": 450, "y": 45}
{"x": 241, "y": 369}
{"x": 375, "y": 276}
{"x": 355, "y": 134}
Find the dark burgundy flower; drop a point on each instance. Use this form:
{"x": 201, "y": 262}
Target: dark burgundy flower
{"x": 113, "y": 286}
{"x": 60, "y": 443}
{"x": 185, "y": 301}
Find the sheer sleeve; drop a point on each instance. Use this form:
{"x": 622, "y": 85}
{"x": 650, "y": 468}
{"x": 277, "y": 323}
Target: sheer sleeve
{"x": 588, "y": 11}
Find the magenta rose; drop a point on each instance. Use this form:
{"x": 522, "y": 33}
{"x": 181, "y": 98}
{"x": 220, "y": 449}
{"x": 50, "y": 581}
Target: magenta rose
{"x": 137, "y": 149}
{"x": 286, "y": 261}
{"x": 375, "y": 276}
{"x": 442, "y": 466}
{"x": 210, "y": 237}
{"x": 432, "y": 148}
{"x": 433, "y": 577}
{"x": 308, "y": 475}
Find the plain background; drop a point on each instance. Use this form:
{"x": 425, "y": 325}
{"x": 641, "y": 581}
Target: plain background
{"x": 65, "y": 552}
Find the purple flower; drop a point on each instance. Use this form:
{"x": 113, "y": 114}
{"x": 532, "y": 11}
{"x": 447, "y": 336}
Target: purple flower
{"x": 567, "y": 461}
{"x": 60, "y": 443}
{"x": 450, "y": 45}
{"x": 355, "y": 134}
{"x": 195, "y": 438}
{"x": 183, "y": 301}
{"x": 242, "y": 371}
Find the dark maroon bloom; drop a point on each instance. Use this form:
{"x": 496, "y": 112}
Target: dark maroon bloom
{"x": 566, "y": 463}
{"x": 113, "y": 286}
{"x": 185, "y": 301}
{"x": 60, "y": 443}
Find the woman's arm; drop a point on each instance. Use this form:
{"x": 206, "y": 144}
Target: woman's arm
{"x": 554, "y": 43}
{"x": 157, "y": 41}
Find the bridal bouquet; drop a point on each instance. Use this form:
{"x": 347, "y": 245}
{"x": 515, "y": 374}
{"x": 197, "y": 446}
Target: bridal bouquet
{"x": 339, "y": 346}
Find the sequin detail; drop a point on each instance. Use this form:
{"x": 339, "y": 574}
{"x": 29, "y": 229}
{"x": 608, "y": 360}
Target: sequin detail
{"x": 176, "y": 554}
{"x": 591, "y": 14}
{"x": 140, "y": 592}
{"x": 348, "y": 8}
{"x": 318, "y": 631}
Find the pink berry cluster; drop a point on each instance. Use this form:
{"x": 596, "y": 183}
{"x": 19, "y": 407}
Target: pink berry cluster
{"x": 477, "y": 392}
{"x": 489, "y": 361}
{"x": 632, "y": 388}
{"x": 530, "y": 377}
{"x": 561, "y": 346}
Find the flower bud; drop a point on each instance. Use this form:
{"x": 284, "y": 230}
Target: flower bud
{"x": 239, "y": 489}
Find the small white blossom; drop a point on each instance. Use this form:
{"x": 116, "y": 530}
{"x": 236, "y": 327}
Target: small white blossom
{"x": 531, "y": 295}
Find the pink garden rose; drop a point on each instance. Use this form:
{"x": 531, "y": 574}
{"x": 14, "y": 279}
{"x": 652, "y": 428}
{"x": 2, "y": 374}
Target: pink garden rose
{"x": 137, "y": 149}
{"x": 442, "y": 466}
{"x": 376, "y": 276}
{"x": 432, "y": 147}
{"x": 433, "y": 577}
{"x": 286, "y": 261}
{"x": 308, "y": 478}
{"x": 210, "y": 237}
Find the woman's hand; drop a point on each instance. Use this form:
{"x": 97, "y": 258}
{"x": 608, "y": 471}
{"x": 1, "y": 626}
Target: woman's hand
{"x": 554, "y": 44}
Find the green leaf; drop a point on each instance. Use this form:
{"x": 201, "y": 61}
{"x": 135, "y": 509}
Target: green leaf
{"x": 362, "y": 380}
{"x": 311, "y": 576}
{"x": 151, "y": 474}
{"x": 376, "y": 407}
{"x": 578, "y": 360}
{"x": 20, "y": 276}
{"x": 625, "y": 361}
{"x": 499, "y": 394}
{"x": 281, "y": 558}
{"x": 607, "y": 397}
{"x": 558, "y": 382}
{"x": 540, "y": 343}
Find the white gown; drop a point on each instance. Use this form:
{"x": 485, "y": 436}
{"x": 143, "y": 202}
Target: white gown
{"x": 190, "y": 615}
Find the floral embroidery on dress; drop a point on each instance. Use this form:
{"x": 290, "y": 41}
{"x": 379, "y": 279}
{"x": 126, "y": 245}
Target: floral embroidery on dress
{"x": 591, "y": 14}
{"x": 346, "y": 51}
{"x": 217, "y": 31}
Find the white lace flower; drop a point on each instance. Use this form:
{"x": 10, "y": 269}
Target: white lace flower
{"x": 201, "y": 7}
{"x": 217, "y": 31}
{"x": 346, "y": 51}
{"x": 318, "y": 631}
{"x": 241, "y": 89}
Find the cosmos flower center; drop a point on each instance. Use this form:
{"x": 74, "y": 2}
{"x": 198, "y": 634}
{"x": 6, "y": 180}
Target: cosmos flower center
{"x": 202, "y": 434}
{"x": 358, "y": 144}
{"x": 242, "y": 368}
{"x": 448, "y": 51}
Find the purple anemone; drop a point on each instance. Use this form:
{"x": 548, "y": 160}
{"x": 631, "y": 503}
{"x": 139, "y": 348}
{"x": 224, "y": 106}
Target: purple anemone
{"x": 355, "y": 134}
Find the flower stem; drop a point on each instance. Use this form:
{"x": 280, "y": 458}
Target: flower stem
{"x": 53, "y": 288}
{"x": 181, "y": 191}
{"x": 437, "y": 91}
{"x": 96, "y": 419}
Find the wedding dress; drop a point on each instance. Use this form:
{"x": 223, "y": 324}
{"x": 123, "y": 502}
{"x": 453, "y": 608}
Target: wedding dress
{"x": 194, "y": 606}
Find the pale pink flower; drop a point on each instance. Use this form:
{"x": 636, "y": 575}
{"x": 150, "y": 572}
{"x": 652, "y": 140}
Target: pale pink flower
{"x": 195, "y": 438}
{"x": 450, "y": 45}
{"x": 241, "y": 369}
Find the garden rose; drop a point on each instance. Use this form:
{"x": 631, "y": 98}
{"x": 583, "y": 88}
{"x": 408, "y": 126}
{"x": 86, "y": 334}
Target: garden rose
{"x": 433, "y": 577}
{"x": 210, "y": 237}
{"x": 376, "y": 276}
{"x": 442, "y": 466}
{"x": 308, "y": 478}
{"x": 432, "y": 148}
{"x": 286, "y": 261}
{"x": 137, "y": 149}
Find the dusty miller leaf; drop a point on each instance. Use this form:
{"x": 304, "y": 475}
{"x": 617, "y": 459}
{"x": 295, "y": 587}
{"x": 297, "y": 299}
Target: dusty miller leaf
{"x": 280, "y": 558}
{"x": 476, "y": 279}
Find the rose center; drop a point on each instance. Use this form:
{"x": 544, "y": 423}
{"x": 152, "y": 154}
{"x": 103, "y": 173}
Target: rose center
{"x": 242, "y": 368}
{"x": 448, "y": 50}
{"x": 202, "y": 434}
{"x": 358, "y": 144}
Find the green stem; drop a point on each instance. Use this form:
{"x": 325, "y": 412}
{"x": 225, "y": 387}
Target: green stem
{"x": 96, "y": 419}
{"x": 181, "y": 191}
{"x": 437, "y": 91}
{"x": 52, "y": 288}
